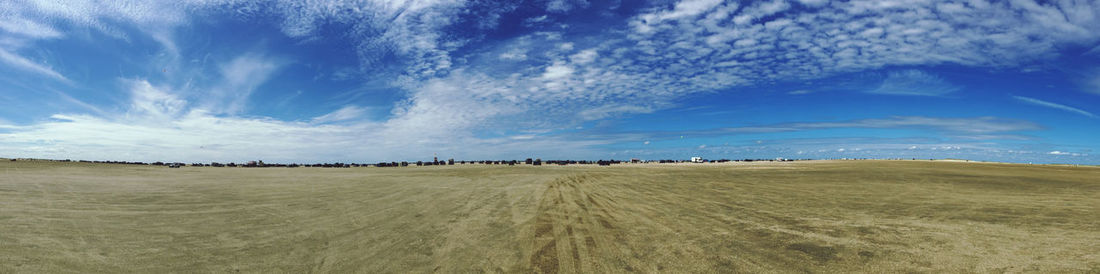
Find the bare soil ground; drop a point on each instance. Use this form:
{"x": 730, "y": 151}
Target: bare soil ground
{"x": 817, "y": 216}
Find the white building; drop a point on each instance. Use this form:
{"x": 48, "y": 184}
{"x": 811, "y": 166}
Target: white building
{"x": 696, "y": 159}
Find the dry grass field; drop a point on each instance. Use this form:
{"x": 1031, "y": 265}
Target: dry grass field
{"x": 817, "y": 216}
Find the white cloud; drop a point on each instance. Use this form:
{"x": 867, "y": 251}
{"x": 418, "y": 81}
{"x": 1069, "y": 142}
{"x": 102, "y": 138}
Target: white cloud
{"x": 1057, "y": 106}
{"x": 452, "y": 106}
{"x": 984, "y": 127}
{"x": 98, "y": 14}
{"x": 240, "y": 77}
{"x": 247, "y": 70}
{"x": 979, "y": 125}
{"x": 584, "y": 57}
{"x": 408, "y": 29}
{"x": 535, "y": 20}
{"x": 195, "y": 136}
{"x": 343, "y": 114}
{"x": 1063, "y": 153}
{"x": 612, "y": 110}
{"x": 813, "y": 3}
{"x": 563, "y": 6}
{"x": 671, "y": 51}
{"x": 522, "y": 137}
{"x": 512, "y": 55}
{"x": 683, "y": 9}
{"x": 157, "y": 129}
{"x": 914, "y": 82}
{"x": 558, "y": 70}
{"x": 1092, "y": 81}
{"x": 846, "y": 36}
{"x": 23, "y": 27}
{"x": 27, "y": 65}
{"x": 148, "y": 101}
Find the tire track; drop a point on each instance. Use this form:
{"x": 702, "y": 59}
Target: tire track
{"x": 574, "y": 227}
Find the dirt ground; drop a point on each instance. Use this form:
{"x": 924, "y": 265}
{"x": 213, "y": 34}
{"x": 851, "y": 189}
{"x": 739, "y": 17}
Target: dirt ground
{"x": 814, "y": 216}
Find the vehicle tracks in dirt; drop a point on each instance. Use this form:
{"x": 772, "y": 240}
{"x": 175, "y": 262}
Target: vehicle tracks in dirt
{"x": 574, "y": 227}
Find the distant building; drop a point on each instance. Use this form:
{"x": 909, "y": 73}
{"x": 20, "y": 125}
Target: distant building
{"x": 696, "y": 159}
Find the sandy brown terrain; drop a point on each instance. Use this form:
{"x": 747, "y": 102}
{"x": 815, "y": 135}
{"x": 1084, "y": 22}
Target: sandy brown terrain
{"x": 816, "y": 216}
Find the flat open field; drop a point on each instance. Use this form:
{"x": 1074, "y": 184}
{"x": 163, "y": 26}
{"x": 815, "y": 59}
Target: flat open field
{"x": 819, "y": 216}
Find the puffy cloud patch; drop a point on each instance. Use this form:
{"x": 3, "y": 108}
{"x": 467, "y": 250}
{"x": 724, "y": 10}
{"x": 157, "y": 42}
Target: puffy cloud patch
{"x": 556, "y": 77}
{"x": 152, "y": 102}
{"x": 158, "y": 127}
{"x": 558, "y": 70}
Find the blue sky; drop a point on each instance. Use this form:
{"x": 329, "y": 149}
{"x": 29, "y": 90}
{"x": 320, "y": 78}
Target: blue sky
{"x": 361, "y": 81}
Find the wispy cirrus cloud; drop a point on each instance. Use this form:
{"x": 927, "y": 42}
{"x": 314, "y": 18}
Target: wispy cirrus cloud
{"x": 554, "y": 77}
{"x": 18, "y": 26}
{"x": 1056, "y": 152}
{"x": 149, "y": 102}
{"x": 1057, "y": 106}
{"x": 982, "y": 128}
{"x": 1091, "y": 82}
{"x": 914, "y": 83}
{"x": 670, "y": 50}
{"x": 25, "y": 64}
{"x": 343, "y": 114}
{"x": 240, "y": 78}
{"x": 162, "y": 128}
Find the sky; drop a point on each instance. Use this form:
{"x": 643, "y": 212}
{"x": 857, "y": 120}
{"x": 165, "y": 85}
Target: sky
{"x": 367, "y": 81}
